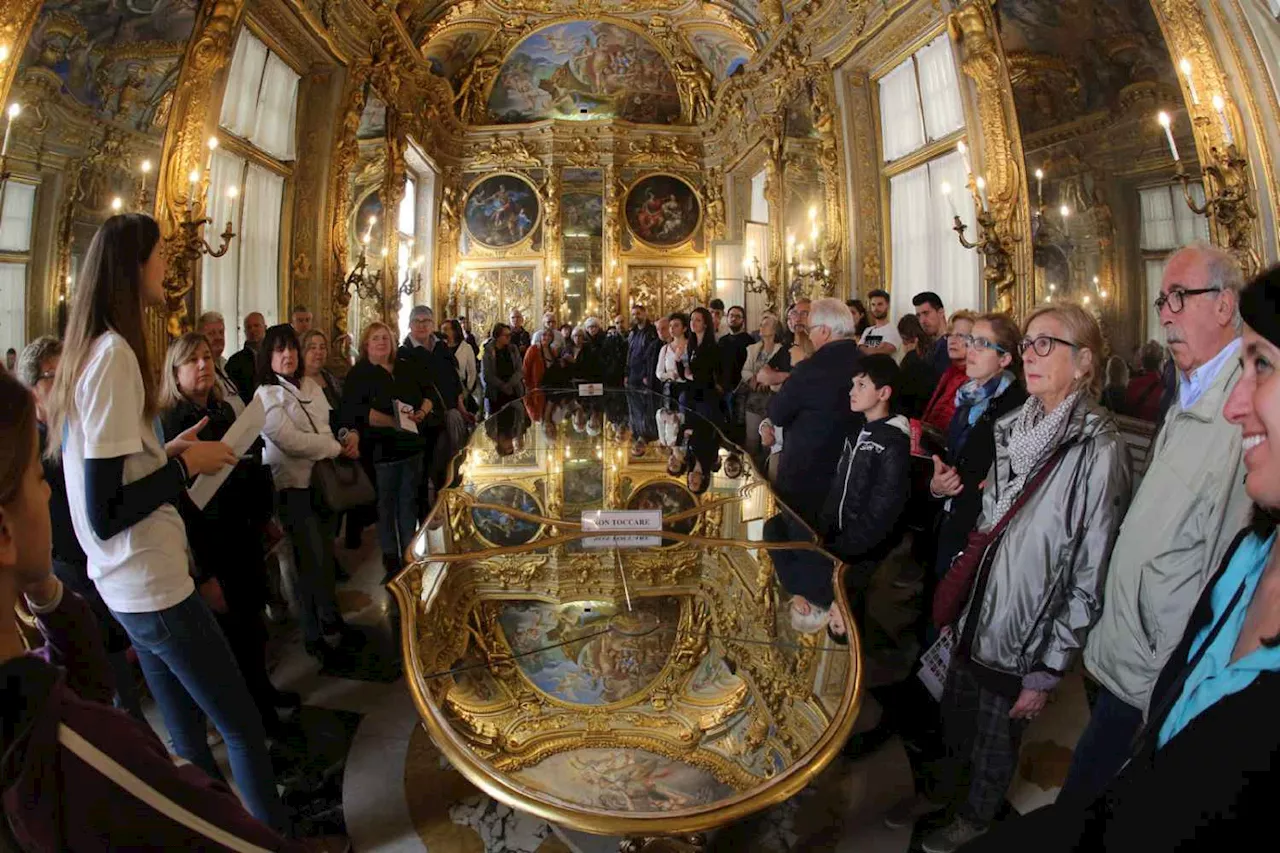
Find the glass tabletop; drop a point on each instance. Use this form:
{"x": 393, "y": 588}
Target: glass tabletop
{"x": 612, "y": 621}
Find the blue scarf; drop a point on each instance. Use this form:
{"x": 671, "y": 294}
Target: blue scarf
{"x": 972, "y": 400}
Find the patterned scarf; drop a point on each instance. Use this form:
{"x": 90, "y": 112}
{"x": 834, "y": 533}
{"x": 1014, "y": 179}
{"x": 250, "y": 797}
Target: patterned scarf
{"x": 972, "y": 400}
{"x": 1035, "y": 436}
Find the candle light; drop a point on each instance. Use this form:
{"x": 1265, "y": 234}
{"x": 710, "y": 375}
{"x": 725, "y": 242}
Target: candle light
{"x": 813, "y": 213}
{"x": 213, "y": 146}
{"x": 1065, "y": 211}
{"x": 1039, "y": 187}
{"x": 194, "y": 178}
{"x": 4, "y": 53}
{"x": 117, "y": 204}
{"x": 368, "y": 232}
{"x": 1220, "y": 106}
{"x": 1167, "y": 124}
{"x": 232, "y": 194}
{"x": 1185, "y": 66}
{"x": 964, "y": 153}
{"x": 15, "y": 110}
{"x": 384, "y": 251}
{"x": 1086, "y": 299}
{"x": 982, "y": 193}
{"x": 951, "y": 202}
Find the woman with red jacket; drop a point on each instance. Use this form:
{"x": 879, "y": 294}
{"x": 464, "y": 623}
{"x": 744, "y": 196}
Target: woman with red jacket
{"x": 942, "y": 405}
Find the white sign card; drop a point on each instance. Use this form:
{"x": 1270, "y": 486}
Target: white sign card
{"x": 633, "y": 528}
{"x": 591, "y": 389}
{"x": 240, "y": 437}
{"x": 405, "y": 414}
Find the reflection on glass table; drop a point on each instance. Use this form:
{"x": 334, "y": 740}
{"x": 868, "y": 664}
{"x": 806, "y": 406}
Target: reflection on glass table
{"x": 646, "y": 691}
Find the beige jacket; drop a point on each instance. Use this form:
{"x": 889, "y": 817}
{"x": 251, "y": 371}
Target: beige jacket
{"x": 1189, "y": 507}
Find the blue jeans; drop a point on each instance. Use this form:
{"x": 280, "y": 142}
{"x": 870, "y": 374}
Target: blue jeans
{"x": 311, "y": 532}
{"x": 1103, "y": 748}
{"x": 192, "y": 673}
{"x": 398, "y": 484}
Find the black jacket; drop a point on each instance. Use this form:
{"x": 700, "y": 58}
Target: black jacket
{"x": 1211, "y": 788}
{"x": 867, "y": 495}
{"x": 972, "y": 462}
{"x": 813, "y": 409}
{"x": 639, "y": 374}
{"x": 652, "y": 350}
{"x": 613, "y": 358}
{"x": 240, "y": 367}
{"x": 733, "y": 354}
{"x": 915, "y": 385}
{"x": 438, "y": 365}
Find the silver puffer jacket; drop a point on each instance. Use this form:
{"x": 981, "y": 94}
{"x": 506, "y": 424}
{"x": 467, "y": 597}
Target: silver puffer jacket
{"x": 1048, "y": 572}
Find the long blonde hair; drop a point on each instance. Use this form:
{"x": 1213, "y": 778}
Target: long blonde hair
{"x": 181, "y": 351}
{"x": 107, "y": 298}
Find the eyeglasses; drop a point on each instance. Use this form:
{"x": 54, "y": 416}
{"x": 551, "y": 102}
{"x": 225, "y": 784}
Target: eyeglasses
{"x": 1043, "y": 345}
{"x": 1177, "y": 297}
{"x": 982, "y": 343}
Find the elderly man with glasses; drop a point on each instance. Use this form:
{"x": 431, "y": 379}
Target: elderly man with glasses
{"x": 1189, "y": 507}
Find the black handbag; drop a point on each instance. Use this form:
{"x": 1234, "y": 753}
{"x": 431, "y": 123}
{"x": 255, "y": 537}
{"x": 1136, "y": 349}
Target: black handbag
{"x": 341, "y": 483}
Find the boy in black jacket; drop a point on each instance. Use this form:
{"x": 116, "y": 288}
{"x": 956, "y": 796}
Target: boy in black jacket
{"x": 859, "y": 520}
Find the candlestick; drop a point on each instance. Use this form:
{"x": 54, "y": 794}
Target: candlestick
{"x": 213, "y": 146}
{"x": 951, "y": 202}
{"x": 982, "y": 193}
{"x": 232, "y": 194}
{"x": 146, "y": 172}
{"x": 194, "y": 177}
{"x": 368, "y": 232}
{"x": 1039, "y": 187}
{"x": 1167, "y": 124}
{"x": 15, "y": 110}
{"x": 964, "y": 153}
{"x": 1185, "y": 66}
{"x": 1220, "y": 106}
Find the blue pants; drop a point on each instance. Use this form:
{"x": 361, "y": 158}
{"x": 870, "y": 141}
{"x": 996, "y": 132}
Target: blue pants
{"x": 311, "y": 532}
{"x": 398, "y": 484}
{"x": 1103, "y": 748}
{"x": 192, "y": 673}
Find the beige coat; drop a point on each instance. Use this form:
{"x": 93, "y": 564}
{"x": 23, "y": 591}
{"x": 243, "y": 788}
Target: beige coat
{"x": 1189, "y": 507}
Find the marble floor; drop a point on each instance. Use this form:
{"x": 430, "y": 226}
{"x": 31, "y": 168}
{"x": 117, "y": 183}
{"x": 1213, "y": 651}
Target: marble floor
{"x": 399, "y": 794}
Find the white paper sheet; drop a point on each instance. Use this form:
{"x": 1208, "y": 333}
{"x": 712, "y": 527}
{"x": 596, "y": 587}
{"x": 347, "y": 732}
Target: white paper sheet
{"x": 240, "y": 437}
{"x": 404, "y": 413}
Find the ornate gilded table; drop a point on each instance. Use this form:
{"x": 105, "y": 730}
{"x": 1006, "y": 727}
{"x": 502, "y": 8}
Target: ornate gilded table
{"x": 651, "y": 691}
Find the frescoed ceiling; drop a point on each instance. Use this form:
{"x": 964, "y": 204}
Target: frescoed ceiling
{"x": 115, "y": 62}
{"x": 1072, "y": 58}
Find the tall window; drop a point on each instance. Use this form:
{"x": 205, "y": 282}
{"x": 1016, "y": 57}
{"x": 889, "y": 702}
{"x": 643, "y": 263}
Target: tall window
{"x": 1168, "y": 224}
{"x": 921, "y": 114}
{"x": 15, "y": 258}
{"x": 409, "y": 250}
{"x": 258, "y": 129}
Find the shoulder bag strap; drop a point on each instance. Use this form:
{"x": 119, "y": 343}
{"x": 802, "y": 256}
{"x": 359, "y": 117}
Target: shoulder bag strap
{"x": 1030, "y": 489}
{"x": 305, "y": 412}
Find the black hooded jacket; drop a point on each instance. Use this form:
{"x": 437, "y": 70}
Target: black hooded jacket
{"x": 869, "y": 491}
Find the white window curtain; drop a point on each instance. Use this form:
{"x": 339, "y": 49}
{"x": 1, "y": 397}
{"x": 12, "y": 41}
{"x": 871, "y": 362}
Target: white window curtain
{"x": 759, "y": 204}
{"x": 260, "y": 242}
{"x": 407, "y": 225}
{"x": 240, "y": 102}
{"x": 926, "y": 254}
{"x": 13, "y": 301}
{"x": 15, "y": 219}
{"x": 274, "y": 127}
{"x": 939, "y": 89}
{"x": 1155, "y": 275}
{"x": 909, "y": 228}
{"x": 901, "y": 125}
{"x": 261, "y": 100}
{"x": 1168, "y": 223}
{"x": 220, "y": 277}
{"x": 1275, "y": 7}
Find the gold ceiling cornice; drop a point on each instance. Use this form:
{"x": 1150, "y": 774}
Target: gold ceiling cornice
{"x": 17, "y": 18}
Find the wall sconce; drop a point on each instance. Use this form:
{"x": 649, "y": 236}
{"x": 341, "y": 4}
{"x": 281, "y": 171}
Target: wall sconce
{"x": 997, "y": 268}
{"x": 1225, "y": 174}
{"x": 189, "y": 244}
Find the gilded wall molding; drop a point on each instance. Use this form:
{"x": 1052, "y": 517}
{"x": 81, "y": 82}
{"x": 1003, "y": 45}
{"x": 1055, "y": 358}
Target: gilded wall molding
{"x": 17, "y": 19}
{"x": 1187, "y": 33}
{"x": 184, "y": 149}
{"x": 346, "y": 153}
{"x": 866, "y": 184}
{"x": 973, "y": 30}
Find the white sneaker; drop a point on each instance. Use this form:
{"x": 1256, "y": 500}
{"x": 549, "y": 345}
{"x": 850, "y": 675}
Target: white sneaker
{"x": 953, "y": 836}
{"x": 910, "y": 810}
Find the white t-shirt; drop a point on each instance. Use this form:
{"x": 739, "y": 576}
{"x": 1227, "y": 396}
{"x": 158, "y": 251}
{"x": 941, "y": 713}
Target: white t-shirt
{"x": 143, "y": 569}
{"x": 874, "y": 336}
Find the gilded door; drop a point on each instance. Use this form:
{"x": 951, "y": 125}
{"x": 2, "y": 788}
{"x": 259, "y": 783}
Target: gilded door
{"x": 663, "y": 290}
{"x": 493, "y": 293}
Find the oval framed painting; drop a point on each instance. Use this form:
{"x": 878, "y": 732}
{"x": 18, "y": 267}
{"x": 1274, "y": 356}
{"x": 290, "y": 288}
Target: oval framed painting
{"x": 670, "y": 498}
{"x": 501, "y": 210}
{"x": 500, "y": 529}
{"x": 663, "y": 211}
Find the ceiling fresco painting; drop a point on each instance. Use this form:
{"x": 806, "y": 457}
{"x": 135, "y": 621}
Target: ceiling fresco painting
{"x": 118, "y": 61}
{"x": 585, "y": 70}
{"x": 1071, "y": 58}
{"x": 722, "y": 53}
{"x": 452, "y": 53}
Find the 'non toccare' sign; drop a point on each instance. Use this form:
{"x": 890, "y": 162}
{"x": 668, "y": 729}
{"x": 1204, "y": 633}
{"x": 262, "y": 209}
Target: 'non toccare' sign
{"x": 631, "y": 528}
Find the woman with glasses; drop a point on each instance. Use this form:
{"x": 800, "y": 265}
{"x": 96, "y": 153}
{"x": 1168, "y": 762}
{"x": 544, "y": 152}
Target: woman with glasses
{"x": 1053, "y": 502}
{"x": 942, "y": 405}
{"x": 993, "y": 390}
